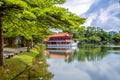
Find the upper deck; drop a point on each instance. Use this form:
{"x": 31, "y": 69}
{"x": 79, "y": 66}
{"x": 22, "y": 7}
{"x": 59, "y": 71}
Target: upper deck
{"x": 59, "y": 37}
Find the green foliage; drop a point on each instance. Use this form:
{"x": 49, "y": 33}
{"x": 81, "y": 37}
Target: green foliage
{"x": 1, "y": 3}
{"x": 14, "y": 25}
{"x": 58, "y": 1}
{"x": 91, "y": 35}
{"x": 36, "y": 17}
{"x": 116, "y": 37}
{"x": 15, "y": 3}
{"x": 29, "y": 15}
{"x": 95, "y": 38}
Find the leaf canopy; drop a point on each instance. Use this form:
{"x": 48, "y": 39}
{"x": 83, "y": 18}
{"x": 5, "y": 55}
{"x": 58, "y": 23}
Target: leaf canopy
{"x": 33, "y": 17}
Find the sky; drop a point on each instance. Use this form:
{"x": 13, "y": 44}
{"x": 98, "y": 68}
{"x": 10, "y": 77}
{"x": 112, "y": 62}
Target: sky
{"x": 99, "y": 13}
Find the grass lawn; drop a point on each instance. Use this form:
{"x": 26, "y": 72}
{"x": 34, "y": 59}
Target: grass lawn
{"x": 18, "y": 63}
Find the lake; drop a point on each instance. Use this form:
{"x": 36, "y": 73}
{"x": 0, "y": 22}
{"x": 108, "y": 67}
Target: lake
{"x": 84, "y": 63}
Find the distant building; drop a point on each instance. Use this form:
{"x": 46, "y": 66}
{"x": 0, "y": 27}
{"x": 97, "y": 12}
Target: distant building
{"x": 62, "y": 39}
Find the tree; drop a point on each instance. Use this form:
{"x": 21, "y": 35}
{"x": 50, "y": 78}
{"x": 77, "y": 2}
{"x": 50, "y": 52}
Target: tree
{"x": 116, "y": 38}
{"x": 1, "y": 40}
{"x": 23, "y": 10}
{"x": 79, "y": 34}
{"x": 94, "y": 39}
{"x": 5, "y": 6}
{"x": 30, "y": 18}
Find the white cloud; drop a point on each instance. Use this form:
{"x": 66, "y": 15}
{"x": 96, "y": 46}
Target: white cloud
{"x": 78, "y": 6}
{"x": 105, "y": 18}
{"x": 99, "y": 16}
{"x": 109, "y": 13}
{"x": 90, "y": 19}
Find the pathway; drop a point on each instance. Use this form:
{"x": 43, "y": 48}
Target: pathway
{"x": 11, "y": 52}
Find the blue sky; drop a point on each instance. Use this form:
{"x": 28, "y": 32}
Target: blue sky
{"x": 99, "y": 13}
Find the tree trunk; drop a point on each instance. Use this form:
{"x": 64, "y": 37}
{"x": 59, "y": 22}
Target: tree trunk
{"x": 9, "y": 42}
{"x": 31, "y": 44}
{"x": 23, "y": 42}
{"x": 28, "y": 45}
{"x": 13, "y": 42}
{"x": 1, "y": 40}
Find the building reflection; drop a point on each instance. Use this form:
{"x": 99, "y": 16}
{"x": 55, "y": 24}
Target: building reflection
{"x": 60, "y": 53}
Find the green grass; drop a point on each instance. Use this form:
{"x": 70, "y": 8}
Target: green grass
{"x": 18, "y": 63}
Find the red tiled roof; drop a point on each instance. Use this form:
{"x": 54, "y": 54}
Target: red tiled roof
{"x": 59, "y": 34}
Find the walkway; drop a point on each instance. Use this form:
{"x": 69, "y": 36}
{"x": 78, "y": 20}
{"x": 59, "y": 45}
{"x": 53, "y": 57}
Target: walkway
{"x": 11, "y": 52}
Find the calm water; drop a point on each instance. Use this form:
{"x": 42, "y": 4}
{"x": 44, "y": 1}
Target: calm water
{"x": 100, "y": 63}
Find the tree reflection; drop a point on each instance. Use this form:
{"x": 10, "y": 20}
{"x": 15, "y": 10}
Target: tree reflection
{"x": 84, "y": 53}
{"x": 88, "y": 54}
{"x": 38, "y": 70}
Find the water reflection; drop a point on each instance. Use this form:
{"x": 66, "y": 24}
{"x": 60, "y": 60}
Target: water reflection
{"x": 88, "y": 54}
{"x": 81, "y": 54}
{"x": 60, "y": 53}
{"x": 38, "y": 70}
{"x": 85, "y": 63}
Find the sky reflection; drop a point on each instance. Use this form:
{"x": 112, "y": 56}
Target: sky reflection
{"x": 105, "y": 69}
